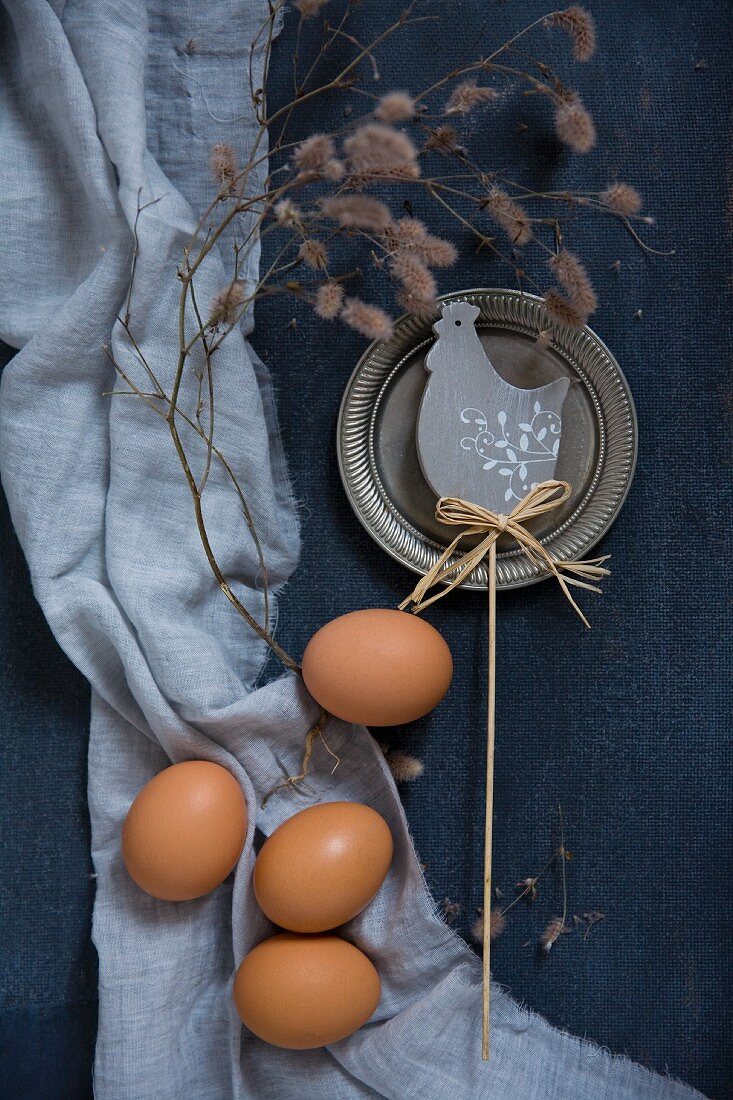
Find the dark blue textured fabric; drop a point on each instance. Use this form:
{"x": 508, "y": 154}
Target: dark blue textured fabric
{"x": 628, "y": 726}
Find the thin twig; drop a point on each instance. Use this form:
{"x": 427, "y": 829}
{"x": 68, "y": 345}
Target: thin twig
{"x": 136, "y": 247}
{"x": 293, "y": 780}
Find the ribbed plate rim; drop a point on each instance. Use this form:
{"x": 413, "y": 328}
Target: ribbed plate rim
{"x": 584, "y": 352}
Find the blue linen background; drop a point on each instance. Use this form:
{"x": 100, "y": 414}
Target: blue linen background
{"x": 635, "y": 740}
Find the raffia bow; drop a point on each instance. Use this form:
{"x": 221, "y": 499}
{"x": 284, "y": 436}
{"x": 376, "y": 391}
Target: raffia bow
{"x": 475, "y": 520}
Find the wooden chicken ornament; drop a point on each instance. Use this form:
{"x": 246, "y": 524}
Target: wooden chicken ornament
{"x": 479, "y": 437}
{"x": 488, "y": 450}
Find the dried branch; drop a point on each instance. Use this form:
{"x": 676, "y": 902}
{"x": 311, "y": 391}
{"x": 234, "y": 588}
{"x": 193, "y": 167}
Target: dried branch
{"x": 320, "y": 191}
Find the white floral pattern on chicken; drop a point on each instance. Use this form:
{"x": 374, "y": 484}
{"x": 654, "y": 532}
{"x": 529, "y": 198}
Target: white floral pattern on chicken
{"x": 525, "y": 453}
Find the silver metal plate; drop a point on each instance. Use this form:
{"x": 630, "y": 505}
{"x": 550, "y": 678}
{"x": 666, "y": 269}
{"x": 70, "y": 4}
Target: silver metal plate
{"x": 376, "y": 435}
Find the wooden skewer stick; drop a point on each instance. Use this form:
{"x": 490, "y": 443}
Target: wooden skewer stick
{"x": 491, "y": 570}
{"x": 476, "y": 520}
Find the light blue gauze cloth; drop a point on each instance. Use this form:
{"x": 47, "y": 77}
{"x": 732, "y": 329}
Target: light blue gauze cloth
{"x": 104, "y": 105}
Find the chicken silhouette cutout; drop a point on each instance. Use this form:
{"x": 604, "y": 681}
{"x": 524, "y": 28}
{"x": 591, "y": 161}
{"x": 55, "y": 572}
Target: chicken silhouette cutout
{"x": 479, "y": 437}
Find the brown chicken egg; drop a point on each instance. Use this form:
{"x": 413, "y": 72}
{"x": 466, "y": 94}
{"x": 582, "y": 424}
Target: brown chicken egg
{"x": 377, "y": 667}
{"x": 185, "y": 831}
{"x": 322, "y": 866}
{"x": 302, "y": 992}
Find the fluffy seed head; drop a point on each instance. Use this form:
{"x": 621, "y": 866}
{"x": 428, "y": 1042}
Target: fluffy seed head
{"x": 442, "y": 138}
{"x": 309, "y": 8}
{"x": 420, "y": 307}
{"x": 409, "y": 234}
{"x": 415, "y": 277}
{"x": 313, "y": 254}
{"x": 395, "y": 107}
{"x": 287, "y": 214}
{"x": 225, "y": 306}
{"x": 466, "y": 96}
{"x": 573, "y": 278}
{"x": 559, "y": 309}
{"x": 333, "y": 170}
{"x": 358, "y": 211}
{"x": 509, "y": 215}
{"x": 370, "y": 321}
{"x": 574, "y": 126}
{"x": 314, "y": 155}
{"x": 580, "y": 27}
{"x": 329, "y": 299}
{"x": 404, "y": 768}
{"x": 554, "y": 929}
{"x": 623, "y": 198}
{"x": 477, "y": 928}
{"x": 376, "y": 151}
{"x": 497, "y": 924}
{"x": 223, "y": 164}
{"x": 437, "y": 252}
